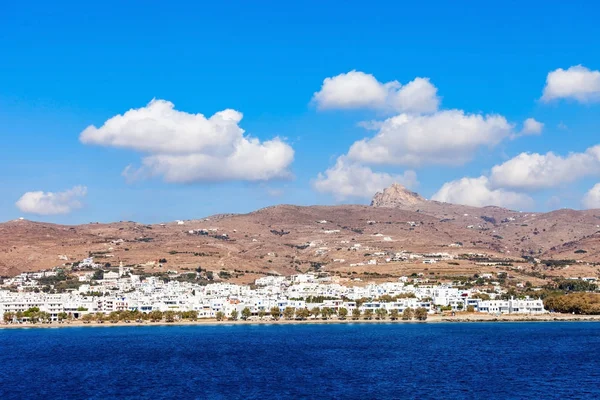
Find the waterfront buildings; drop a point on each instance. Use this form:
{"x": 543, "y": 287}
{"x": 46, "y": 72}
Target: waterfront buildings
{"x": 125, "y": 291}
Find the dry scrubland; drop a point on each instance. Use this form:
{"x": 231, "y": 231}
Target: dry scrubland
{"x": 276, "y": 240}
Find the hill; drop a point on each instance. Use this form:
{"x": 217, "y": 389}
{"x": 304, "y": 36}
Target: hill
{"x": 289, "y": 239}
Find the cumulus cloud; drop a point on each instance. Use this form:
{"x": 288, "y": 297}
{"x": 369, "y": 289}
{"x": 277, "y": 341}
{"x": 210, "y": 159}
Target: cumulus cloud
{"x": 592, "y": 197}
{"x": 183, "y": 147}
{"x": 448, "y": 137}
{"x": 532, "y": 127}
{"x": 250, "y": 161}
{"x": 50, "y": 203}
{"x": 577, "y": 83}
{"x": 347, "y": 179}
{"x": 477, "y": 192}
{"x": 357, "y": 89}
{"x": 533, "y": 171}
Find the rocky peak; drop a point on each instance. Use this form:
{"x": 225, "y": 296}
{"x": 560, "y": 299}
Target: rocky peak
{"x": 396, "y": 196}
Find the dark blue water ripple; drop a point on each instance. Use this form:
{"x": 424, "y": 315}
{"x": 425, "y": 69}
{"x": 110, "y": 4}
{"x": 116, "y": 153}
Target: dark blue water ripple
{"x": 352, "y": 361}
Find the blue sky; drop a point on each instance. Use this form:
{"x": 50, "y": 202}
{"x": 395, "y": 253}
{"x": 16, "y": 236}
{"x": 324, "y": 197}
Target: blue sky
{"x": 68, "y": 65}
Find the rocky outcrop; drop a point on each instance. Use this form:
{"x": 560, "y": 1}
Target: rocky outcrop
{"x": 396, "y": 196}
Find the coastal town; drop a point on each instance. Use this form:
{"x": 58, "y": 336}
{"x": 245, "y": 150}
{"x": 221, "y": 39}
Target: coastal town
{"x": 288, "y": 263}
{"x": 121, "y": 294}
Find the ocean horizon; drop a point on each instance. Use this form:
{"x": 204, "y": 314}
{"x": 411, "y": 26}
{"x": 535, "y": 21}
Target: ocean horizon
{"x": 333, "y": 361}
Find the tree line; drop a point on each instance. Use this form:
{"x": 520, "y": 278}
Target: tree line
{"x": 574, "y": 303}
{"x": 326, "y": 313}
{"x": 34, "y": 315}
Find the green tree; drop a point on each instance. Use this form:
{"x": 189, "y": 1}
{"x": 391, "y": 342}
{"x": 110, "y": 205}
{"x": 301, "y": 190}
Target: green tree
{"x": 275, "y": 312}
{"x": 155, "y": 316}
{"x": 356, "y": 313}
{"x": 368, "y": 314}
{"x": 470, "y": 308}
{"x": 327, "y": 312}
{"x": 246, "y": 313}
{"x": 220, "y": 315}
{"x": 315, "y": 312}
{"x": 577, "y": 303}
{"x": 421, "y": 314}
{"x": 234, "y": 315}
{"x": 87, "y": 318}
{"x": 381, "y": 313}
{"x": 32, "y": 314}
{"x": 99, "y": 317}
{"x": 386, "y": 298}
{"x": 114, "y": 317}
{"x": 43, "y": 316}
{"x": 62, "y": 316}
{"x": 289, "y": 312}
{"x": 261, "y": 313}
{"x": 8, "y": 317}
{"x": 192, "y": 315}
{"x": 576, "y": 285}
{"x": 169, "y": 316}
{"x": 127, "y": 316}
{"x": 343, "y": 313}
{"x": 394, "y": 314}
{"x": 136, "y": 315}
{"x": 302, "y": 313}
{"x": 407, "y": 314}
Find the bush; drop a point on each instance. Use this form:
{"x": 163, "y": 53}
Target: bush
{"x": 576, "y": 285}
{"x": 224, "y": 275}
{"x": 578, "y": 303}
{"x": 421, "y": 314}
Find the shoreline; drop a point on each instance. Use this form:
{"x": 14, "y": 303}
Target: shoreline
{"x": 466, "y": 318}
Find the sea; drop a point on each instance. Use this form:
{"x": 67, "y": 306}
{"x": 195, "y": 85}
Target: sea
{"x": 551, "y": 360}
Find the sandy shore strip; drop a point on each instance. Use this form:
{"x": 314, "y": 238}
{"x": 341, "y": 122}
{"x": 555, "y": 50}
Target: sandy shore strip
{"x": 431, "y": 319}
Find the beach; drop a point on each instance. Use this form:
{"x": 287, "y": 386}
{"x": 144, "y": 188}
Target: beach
{"x": 461, "y": 317}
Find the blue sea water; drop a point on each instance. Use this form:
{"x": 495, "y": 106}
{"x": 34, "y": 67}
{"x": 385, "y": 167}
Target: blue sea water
{"x": 352, "y": 361}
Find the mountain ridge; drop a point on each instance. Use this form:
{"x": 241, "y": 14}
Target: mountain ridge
{"x": 288, "y": 239}
{"x": 396, "y": 195}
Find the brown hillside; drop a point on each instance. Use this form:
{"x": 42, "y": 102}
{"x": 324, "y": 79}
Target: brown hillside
{"x": 286, "y": 239}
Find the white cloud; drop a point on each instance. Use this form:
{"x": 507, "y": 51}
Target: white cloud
{"x": 533, "y": 171}
{"x": 478, "y": 193}
{"x": 49, "y": 203}
{"x": 185, "y": 147}
{"x": 372, "y": 125}
{"x": 592, "y": 197}
{"x": 357, "y": 89}
{"x": 532, "y": 127}
{"x": 447, "y": 137}
{"x": 250, "y": 161}
{"x": 346, "y": 179}
{"x": 577, "y": 82}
